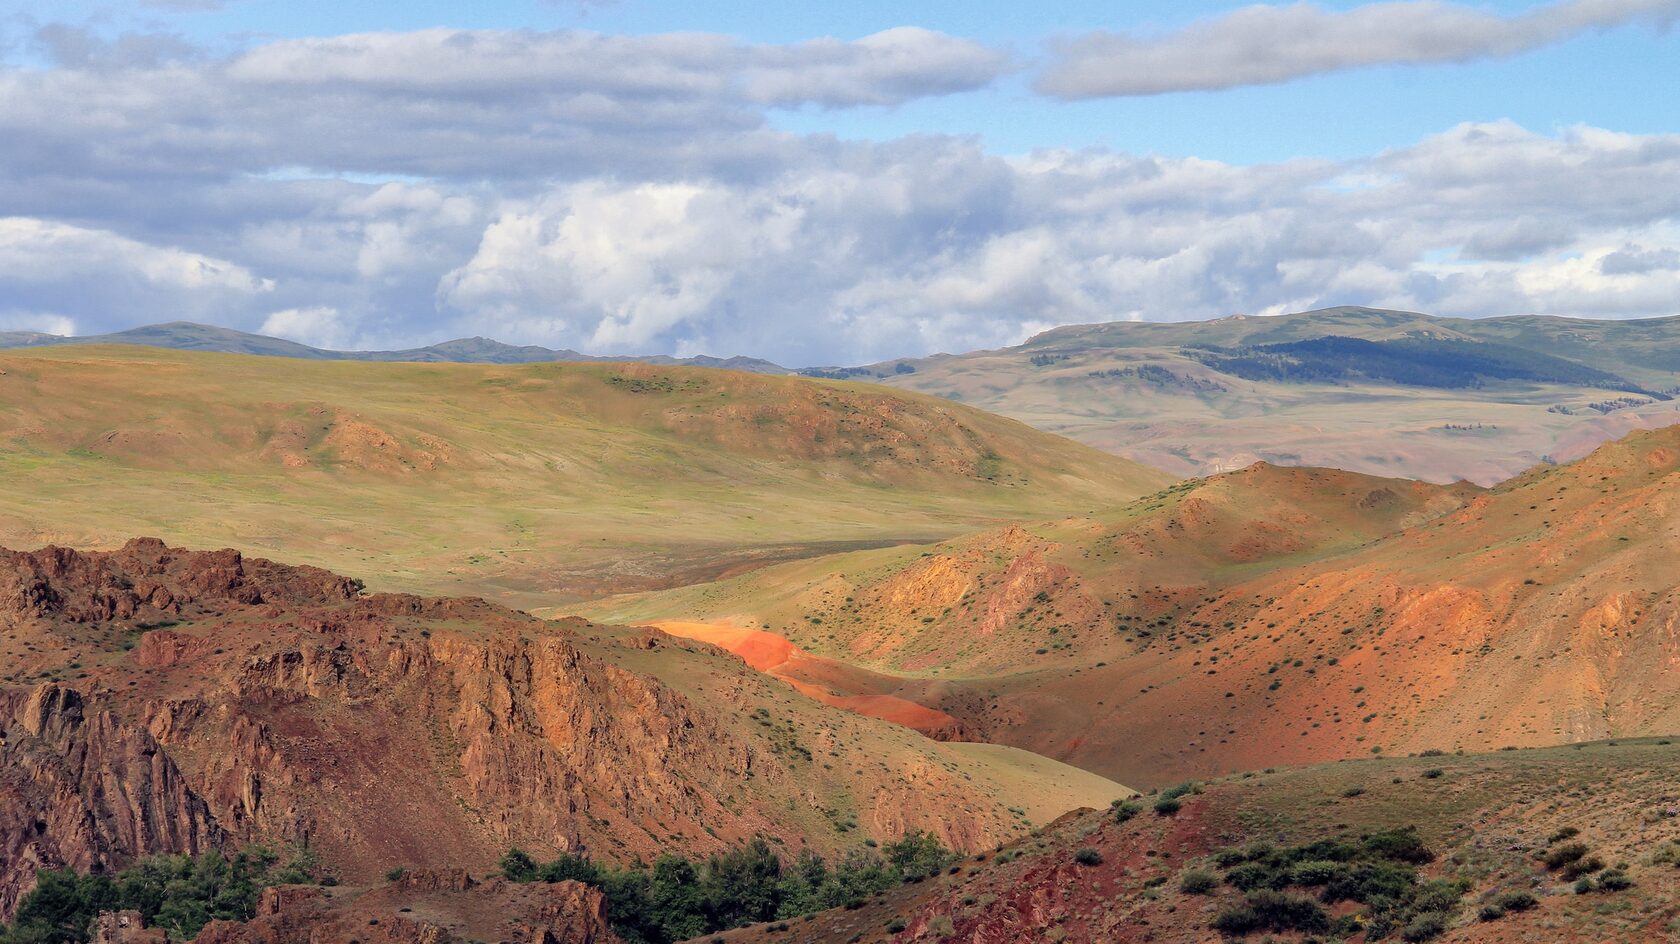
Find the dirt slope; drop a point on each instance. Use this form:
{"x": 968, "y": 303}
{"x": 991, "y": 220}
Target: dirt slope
{"x": 164, "y": 700}
{"x": 1269, "y": 616}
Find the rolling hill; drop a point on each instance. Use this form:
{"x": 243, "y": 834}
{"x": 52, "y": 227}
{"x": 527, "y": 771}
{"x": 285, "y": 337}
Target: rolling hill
{"x": 1270, "y": 615}
{"x": 1369, "y": 390}
{"x": 519, "y": 481}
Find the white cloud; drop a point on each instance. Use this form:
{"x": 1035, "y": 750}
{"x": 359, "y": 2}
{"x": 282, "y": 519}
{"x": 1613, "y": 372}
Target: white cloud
{"x": 945, "y": 248}
{"x": 33, "y": 251}
{"x": 37, "y": 321}
{"x": 1261, "y": 44}
{"x": 99, "y": 275}
{"x": 321, "y": 326}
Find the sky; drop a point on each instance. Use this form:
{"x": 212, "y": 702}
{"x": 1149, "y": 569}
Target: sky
{"x": 826, "y": 183}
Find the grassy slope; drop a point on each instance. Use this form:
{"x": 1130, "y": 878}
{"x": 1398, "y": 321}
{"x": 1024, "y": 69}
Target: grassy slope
{"x": 505, "y": 480}
{"x": 1376, "y": 428}
{"x": 1486, "y": 817}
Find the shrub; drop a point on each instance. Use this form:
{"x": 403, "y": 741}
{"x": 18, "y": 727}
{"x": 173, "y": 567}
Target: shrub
{"x": 1567, "y": 832}
{"x": 1428, "y": 925}
{"x": 1088, "y": 856}
{"x": 1580, "y": 867}
{"x": 1352, "y": 792}
{"x": 1564, "y": 855}
{"x": 1434, "y": 773}
{"x": 1167, "y": 806}
{"x": 396, "y": 874}
{"x": 1198, "y": 882}
{"x": 1516, "y": 901}
{"x": 1125, "y": 810}
{"x": 1614, "y": 880}
{"x": 1401, "y": 845}
{"x": 895, "y": 925}
{"x": 1237, "y": 920}
{"x": 1252, "y": 875}
{"x": 1281, "y": 911}
{"x": 1491, "y": 912}
{"x": 1316, "y": 872}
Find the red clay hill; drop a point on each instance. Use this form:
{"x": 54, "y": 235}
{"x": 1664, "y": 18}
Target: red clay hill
{"x": 1272, "y": 615}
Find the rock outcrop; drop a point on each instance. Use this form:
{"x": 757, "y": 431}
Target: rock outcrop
{"x": 176, "y": 702}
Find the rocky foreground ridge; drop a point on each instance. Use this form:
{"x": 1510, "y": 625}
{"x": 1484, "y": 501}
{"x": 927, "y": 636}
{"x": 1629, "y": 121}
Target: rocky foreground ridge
{"x": 167, "y": 701}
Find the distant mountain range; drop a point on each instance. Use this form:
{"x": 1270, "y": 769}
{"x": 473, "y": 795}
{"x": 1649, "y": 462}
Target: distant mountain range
{"x": 1365, "y": 389}
{"x": 187, "y": 336}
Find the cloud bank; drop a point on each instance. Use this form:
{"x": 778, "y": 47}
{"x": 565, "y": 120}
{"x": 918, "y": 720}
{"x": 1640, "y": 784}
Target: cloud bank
{"x": 1259, "y": 45}
{"x": 631, "y": 195}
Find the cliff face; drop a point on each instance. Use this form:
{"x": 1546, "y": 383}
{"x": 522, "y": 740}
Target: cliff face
{"x": 169, "y": 701}
{"x": 87, "y": 790}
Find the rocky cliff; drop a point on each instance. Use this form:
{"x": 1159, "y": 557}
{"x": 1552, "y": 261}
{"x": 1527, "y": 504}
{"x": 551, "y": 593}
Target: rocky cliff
{"x": 171, "y": 701}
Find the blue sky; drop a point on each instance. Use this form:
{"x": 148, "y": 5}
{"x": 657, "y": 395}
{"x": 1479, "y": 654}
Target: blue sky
{"x": 1004, "y": 168}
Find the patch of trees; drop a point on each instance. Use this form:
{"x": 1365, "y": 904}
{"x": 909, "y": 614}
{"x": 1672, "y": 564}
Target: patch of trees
{"x": 677, "y": 898}
{"x": 1159, "y": 376}
{"x": 179, "y": 894}
{"x": 848, "y": 373}
{"x": 1378, "y": 872}
{"x": 1414, "y": 362}
{"x": 1619, "y": 403}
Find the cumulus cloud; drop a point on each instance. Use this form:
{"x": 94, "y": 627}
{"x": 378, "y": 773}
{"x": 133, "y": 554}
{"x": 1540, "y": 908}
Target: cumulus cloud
{"x": 102, "y": 277}
{"x": 1262, "y": 44}
{"x": 319, "y": 326}
{"x": 625, "y": 195}
{"x": 944, "y": 247}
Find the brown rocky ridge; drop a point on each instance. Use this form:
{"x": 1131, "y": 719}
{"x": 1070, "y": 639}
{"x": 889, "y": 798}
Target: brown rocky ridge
{"x": 161, "y": 700}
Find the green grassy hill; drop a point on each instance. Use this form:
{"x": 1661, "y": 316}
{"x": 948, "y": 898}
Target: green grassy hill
{"x": 550, "y": 479}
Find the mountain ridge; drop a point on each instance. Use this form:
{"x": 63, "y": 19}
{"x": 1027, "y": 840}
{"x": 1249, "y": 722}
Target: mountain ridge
{"x": 193, "y": 336}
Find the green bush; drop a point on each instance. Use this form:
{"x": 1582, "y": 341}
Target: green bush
{"x": 1378, "y": 872}
{"x": 179, "y": 894}
{"x": 1315, "y": 872}
{"x": 1516, "y": 901}
{"x": 1563, "y": 855}
{"x": 1198, "y": 882}
{"x": 1088, "y": 856}
{"x": 1614, "y": 880}
{"x": 1282, "y": 911}
{"x": 1581, "y": 867}
{"x": 678, "y": 899}
{"x": 1167, "y": 806}
{"x": 1237, "y": 920}
{"x": 1425, "y": 926}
